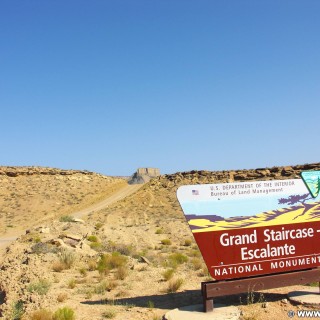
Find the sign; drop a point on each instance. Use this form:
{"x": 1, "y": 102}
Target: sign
{"x": 312, "y": 181}
{"x": 253, "y": 228}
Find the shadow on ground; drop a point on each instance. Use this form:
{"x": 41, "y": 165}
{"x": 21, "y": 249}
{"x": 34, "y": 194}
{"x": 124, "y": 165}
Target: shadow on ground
{"x": 189, "y": 297}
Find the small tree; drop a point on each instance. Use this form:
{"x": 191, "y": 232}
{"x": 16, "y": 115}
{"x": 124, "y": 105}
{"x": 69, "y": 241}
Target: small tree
{"x": 293, "y": 199}
{"x": 297, "y": 198}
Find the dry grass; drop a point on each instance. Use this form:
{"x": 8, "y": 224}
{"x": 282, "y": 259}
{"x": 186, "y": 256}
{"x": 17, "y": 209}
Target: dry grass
{"x": 121, "y": 273}
{"x": 166, "y": 242}
{"x": 93, "y": 238}
{"x": 58, "y": 266}
{"x": 187, "y": 242}
{"x": 168, "y": 274}
{"x": 109, "y": 314}
{"x": 83, "y": 272}
{"x": 67, "y": 257}
{"x": 175, "y": 259}
{"x": 196, "y": 263}
{"x": 122, "y": 293}
{"x": 64, "y": 313}
{"x": 92, "y": 265}
{"x": 174, "y": 285}
{"x": 66, "y": 218}
{"x": 42, "y": 314}
{"x": 62, "y": 296}
{"x": 41, "y": 287}
{"x": 97, "y": 246}
{"x": 101, "y": 288}
{"x": 109, "y": 262}
{"x": 72, "y": 283}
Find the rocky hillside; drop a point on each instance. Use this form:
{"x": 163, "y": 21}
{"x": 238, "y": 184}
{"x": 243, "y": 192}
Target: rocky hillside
{"x": 157, "y": 199}
{"x": 118, "y": 262}
{"x": 30, "y": 195}
{"x": 31, "y": 171}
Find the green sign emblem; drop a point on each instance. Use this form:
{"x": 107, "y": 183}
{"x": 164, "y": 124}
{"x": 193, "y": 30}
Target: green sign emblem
{"x": 312, "y": 181}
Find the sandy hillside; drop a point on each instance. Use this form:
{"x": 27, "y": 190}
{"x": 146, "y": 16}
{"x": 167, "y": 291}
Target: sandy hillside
{"x": 135, "y": 259}
{"x": 30, "y": 195}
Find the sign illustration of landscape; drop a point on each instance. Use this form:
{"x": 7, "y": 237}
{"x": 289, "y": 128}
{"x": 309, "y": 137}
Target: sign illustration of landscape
{"x": 256, "y": 227}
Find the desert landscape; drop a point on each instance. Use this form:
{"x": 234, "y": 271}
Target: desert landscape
{"x": 94, "y": 247}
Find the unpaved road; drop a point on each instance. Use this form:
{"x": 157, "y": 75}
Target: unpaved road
{"x": 114, "y": 197}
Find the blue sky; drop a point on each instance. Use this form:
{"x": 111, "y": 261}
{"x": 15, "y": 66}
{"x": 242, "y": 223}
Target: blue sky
{"x": 110, "y": 86}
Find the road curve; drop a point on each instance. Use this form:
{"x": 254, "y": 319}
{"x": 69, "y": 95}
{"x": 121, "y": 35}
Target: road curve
{"x": 114, "y": 197}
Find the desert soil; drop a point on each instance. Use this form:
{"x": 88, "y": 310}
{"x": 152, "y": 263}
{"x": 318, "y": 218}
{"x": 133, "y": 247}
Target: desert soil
{"x": 145, "y": 239}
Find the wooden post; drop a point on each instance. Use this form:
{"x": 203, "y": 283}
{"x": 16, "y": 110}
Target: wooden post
{"x": 214, "y": 289}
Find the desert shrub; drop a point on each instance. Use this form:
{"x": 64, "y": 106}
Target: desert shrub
{"x": 204, "y": 272}
{"x": 150, "y": 304}
{"x": 66, "y": 219}
{"x": 156, "y": 317}
{"x": 197, "y": 264}
{"x": 87, "y": 291}
{"x": 122, "y": 293}
{"x": 83, "y": 272}
{"x": 112, "y": 284}
{"x": 168, "y": 274}
{"x": 101, "y": 288}
{"x": 17, "y": 310}
{"x": 98, "y": 225}
{"x": 42, "y": 314}
{"x": 64, "y": 313}
{"x": 159, "y": 231}
{"x": 116, "y": 260}
{"x": 166, "y": 242}
{"x": 121, "y": 273}
{"x": 124, "y": 249}
{"x": 67, "y": 257}
{"x": 41, "y": 287}
{"x": 178, "y": 257}
{"x": 109, "y": 314}
{"x": 92, "y": 238}
{"x": 187, "y": 243}
{"x": 313, "y": 284}
{"x": 31, "y": 237}
{"x": 102, "y": 265}
{"x": 109, "y": 262}
{"x": 174, "y": 285}
{"x": 62, "y": 296}
{"x": 58, "y": 266}
{"x": 92, "y": 265}
{"x": 194, "y": 253}
{"x": 97, "y": 246}
{"x": 72, "y": 283}
{"x": 41, "y": 247}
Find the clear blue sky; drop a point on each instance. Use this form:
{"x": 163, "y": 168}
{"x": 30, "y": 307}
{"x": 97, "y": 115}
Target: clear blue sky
{"x": 113, "y": 85}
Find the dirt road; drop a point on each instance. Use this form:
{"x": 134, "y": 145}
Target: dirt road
{"x": 114, "y": 197}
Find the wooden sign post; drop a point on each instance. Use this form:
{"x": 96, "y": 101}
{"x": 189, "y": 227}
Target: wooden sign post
{"x": 255, "y": 234}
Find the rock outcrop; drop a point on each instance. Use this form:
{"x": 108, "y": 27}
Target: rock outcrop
{"x": 173, "y": 181}
{"x": 29, "y": 171}
{"x": 143, "y": 175}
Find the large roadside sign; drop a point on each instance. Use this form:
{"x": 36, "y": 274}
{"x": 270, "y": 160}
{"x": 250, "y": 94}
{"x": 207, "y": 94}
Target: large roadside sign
{"x": 256, "y": 227}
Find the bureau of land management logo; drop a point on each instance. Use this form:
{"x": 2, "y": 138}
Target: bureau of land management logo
{"x": 312, "y": 181}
